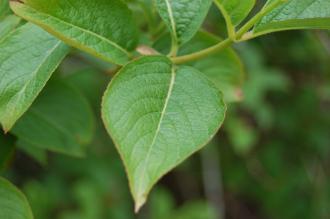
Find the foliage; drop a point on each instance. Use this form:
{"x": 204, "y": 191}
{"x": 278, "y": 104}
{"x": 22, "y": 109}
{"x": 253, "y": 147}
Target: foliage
{"x": 168, "y": 84}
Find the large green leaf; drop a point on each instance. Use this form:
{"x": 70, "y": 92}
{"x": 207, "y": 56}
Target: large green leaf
{"x": 235, "y": 11}
{"x": 183, "y": 17}
{"x": 28, "y": 57}
{"x": 60, "y": 120}
{"x": 8, "y": 24}
{"x": 296, "y": 14}
{"x": 13, "y": 203}
{"x": 103, "y": 28}
{"x": 225, "y": 68}
{"x": 159, "y": 114}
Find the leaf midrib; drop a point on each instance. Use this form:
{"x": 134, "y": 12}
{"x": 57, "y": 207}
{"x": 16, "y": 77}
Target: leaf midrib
{"x": 170, "y": 90}
{"x": 172, "y": 20}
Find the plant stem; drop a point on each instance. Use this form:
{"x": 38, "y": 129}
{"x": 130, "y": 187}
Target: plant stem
{"x": 203, "y": 53}
{"x": 230, "y": 27}
{"x": 229, "y": 41}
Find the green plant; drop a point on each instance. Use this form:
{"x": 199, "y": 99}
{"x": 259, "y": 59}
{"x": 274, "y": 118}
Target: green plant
{"x": 167, "y": 97}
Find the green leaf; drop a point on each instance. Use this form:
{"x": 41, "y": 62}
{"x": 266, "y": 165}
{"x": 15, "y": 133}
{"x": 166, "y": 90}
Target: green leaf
{"x": 158, "y": 115}
{"x": 28, "y": 58}
{"x": 8, "y": 24}
{"x": 296, "y": 14}
{"x": 225, "y": 68}
{"x": 13, "y": 203}
{"x": 183, "y": 17}
{"x": 60, "y": 120}
{"x": 235, "y": 11}
{"x": 4, "y": 8}
{"x": 103, "y": 28}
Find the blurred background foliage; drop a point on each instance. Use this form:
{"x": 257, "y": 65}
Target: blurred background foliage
{"x": 270, "y": 160}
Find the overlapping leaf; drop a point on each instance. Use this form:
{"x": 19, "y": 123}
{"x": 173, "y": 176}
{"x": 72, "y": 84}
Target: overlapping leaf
{"x": 235, "y": 10}
{"x": 60, "y": 120}
{"x": 103, "y": 28}
{"x": 296, "y": 14}
{"x": 28, "y": 57}
{"x": 13, "y": 204}
{"x": 183, "y": 17}
{"x": 158, "y": 115}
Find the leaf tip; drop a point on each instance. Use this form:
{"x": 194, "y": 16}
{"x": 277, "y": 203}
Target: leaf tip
{"x": 139, "y": 203}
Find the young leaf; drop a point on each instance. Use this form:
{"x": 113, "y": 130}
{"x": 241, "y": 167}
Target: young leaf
{"x": 158, "y": 115}
{"x": 60, "y": 120}
{"x": 13, "y": 203}
{"x": 235, "y": 11}
{"x": 28, "y": 57}
{"x": 296, "y": 14}
{"x": 183, "y": 17}
{"x": 224, "y": 69}
{"x": 103, "y": 28}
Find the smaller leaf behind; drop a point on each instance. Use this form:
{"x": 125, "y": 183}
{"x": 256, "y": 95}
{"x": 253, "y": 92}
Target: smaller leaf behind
{"x": 61, "y": 120}
{"x": 13, "y": 203}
